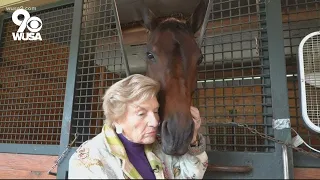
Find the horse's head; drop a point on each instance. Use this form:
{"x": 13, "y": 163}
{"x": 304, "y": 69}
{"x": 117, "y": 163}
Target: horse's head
{"x": 172, "y": 59}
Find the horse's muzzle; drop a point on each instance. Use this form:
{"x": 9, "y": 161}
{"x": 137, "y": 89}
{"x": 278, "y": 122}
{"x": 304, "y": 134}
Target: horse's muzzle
{"x": 176, "y": 135}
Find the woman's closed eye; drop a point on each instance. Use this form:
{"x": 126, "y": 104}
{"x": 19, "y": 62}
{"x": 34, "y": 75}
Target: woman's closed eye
{"x": 156, "y": 110}
{"x": 141, "y": 113}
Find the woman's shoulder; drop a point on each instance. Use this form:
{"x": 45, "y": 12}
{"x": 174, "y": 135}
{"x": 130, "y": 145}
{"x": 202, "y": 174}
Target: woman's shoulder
{"x": 93, "y": 149}
{"x": 92, "y": 159}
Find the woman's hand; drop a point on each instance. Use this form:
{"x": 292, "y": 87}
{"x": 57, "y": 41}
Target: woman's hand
{"x": 197, "y": 122}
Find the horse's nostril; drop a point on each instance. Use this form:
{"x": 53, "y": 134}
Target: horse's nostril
{"x": 164, "y": 124}
{"x": 165, "y": 128}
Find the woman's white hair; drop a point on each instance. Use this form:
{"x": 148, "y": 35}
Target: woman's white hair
{"x": 132, "y": 88}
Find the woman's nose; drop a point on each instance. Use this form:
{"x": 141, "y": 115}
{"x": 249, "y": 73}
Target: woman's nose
{"x": 153, "y": 120}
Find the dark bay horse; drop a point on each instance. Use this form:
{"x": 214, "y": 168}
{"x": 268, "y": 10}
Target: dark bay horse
{"x": 172, "y": 59}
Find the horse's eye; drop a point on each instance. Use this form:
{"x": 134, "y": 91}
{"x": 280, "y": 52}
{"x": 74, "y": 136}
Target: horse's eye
{"x": 200, "y": 59}
{"x": 150, "y": 56}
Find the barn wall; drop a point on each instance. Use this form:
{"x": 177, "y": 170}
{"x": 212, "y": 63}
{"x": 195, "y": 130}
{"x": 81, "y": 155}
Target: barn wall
{"x": 33, "y": 85}
{"x": 224, "y": 101}
{"x": 32, "y": 90}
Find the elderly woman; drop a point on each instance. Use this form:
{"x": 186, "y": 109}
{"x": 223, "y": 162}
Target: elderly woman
{"x": 128, "y": 147}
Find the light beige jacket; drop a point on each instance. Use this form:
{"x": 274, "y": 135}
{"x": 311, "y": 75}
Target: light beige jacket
{"x": 104, "y": 157}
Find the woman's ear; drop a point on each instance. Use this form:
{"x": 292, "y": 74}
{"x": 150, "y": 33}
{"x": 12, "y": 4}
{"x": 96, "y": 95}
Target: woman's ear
{"x": 118, "y": 128}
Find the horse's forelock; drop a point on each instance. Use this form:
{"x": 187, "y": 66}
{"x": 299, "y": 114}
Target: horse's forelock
{"x": 174, "y": 24}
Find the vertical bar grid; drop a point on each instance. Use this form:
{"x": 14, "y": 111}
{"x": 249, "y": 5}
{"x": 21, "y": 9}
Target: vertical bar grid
{"x": 232, "y": 84}
{"x": 300, "y": 17}
{"x": 32, "y": 80}
{"x": 100, "y": 64}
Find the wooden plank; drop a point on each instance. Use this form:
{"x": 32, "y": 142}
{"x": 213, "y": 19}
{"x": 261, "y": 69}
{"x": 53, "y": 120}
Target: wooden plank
{"x": 23, "y": 174}
{"x": 26, "y": 166}
{"x": 306, "y": 173}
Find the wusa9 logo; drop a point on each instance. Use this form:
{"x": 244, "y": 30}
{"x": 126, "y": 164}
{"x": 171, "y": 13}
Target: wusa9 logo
{"x": 34, "y": 25}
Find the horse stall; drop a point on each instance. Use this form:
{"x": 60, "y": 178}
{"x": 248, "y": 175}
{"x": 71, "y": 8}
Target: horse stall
{"x": 247, "y": 85}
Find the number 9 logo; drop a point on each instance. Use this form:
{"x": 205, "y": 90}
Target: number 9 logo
{"x": 34, "y": 24}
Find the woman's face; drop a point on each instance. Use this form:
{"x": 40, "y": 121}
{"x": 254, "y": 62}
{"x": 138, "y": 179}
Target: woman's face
{"x": 141, "y": 121}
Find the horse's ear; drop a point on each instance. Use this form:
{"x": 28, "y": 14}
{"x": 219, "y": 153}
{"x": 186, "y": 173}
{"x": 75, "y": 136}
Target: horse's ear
{"x": 196, "y": 19}
{"x": 148, "y": 18}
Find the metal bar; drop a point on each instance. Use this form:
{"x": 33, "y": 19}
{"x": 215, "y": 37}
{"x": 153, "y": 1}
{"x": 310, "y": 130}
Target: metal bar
{"x": 265, "y": 79}
{"x": 70, "y": 84}
{"x": 30, "y": 149}
{"x": 204, "y": 24}
{"x": 1, "y": 25}
{"x": 64, "y": 165}
{"x": 279, "y": 90}
{"x": 114, "y": 4}
{"x": 285, "y": 162}
{"x": 230, "y": 169}
{"x": 1, "y": 31}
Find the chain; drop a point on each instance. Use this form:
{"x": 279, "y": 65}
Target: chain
{"x": 62, "y": 156}
{"x": 254, "y": 131}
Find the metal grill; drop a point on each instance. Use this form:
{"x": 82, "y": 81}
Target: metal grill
{"x": 300, "y": 17}
{"x": 233, "y": 80}
{"x": 101, "y": 63}
{"x": 32, "y": 80}
{"x": 311, "y": 51}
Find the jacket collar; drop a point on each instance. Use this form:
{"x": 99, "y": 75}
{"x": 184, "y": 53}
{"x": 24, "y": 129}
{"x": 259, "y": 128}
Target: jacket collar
{"x": 116, "y": 148}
